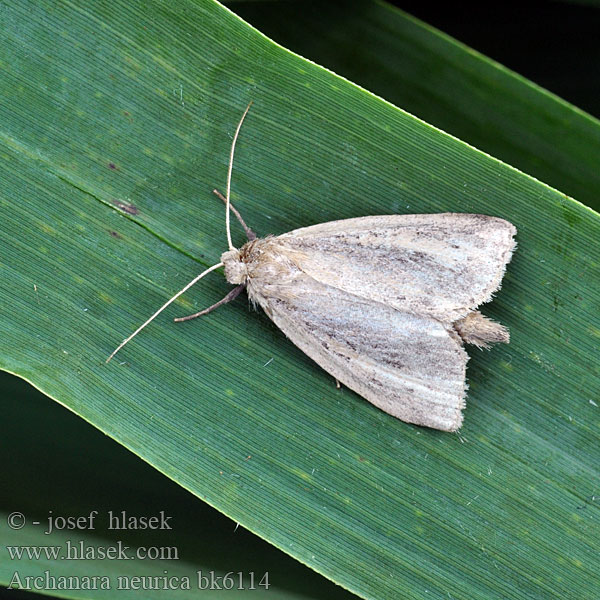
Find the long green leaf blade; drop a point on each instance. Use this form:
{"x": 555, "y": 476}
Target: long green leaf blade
{"x": 111, "y": 142}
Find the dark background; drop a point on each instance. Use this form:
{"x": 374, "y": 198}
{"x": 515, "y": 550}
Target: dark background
{"x": 555, "y": 44}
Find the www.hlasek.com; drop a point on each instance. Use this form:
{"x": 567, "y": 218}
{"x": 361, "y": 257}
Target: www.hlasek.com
{"x": 81, "y": 551}
{"x": 201, "y": 580}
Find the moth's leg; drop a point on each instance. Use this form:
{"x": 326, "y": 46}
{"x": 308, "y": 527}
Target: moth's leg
{"x": 233, "y": 294}
{"x": 249, "y": 233}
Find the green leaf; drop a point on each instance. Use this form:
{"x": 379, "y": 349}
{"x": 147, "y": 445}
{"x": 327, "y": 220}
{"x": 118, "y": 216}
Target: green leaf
{"x": 116, "y": 124}
{"x": 91, "y": 480}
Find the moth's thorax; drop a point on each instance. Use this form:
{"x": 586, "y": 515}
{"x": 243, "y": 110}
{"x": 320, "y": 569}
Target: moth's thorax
{"x": 240, "y": 264}
{"x": 262, "y": 260}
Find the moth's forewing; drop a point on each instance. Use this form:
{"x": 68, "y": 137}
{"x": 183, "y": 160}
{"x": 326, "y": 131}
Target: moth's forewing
{"x": 441, "y": 265}
{"x": 410, "y": 366}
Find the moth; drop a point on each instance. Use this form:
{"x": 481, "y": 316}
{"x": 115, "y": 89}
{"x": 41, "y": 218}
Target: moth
{"x": 383, "y": 303}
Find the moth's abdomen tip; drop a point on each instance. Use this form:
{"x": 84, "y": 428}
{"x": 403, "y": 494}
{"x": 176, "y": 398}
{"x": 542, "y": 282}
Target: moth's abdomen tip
{"x": 480, "y": 331}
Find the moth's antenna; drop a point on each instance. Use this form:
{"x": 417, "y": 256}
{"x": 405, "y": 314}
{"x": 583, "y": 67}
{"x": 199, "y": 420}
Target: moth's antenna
{"x": 249, "y": 233}
{"x": 187, "y": 287}
{"x": 237, "y": 131}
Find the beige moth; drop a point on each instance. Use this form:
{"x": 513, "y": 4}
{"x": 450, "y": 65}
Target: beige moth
{"x": 383, "y": 303}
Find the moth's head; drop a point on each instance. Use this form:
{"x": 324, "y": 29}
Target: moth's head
{"x": 235, "y": 269}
